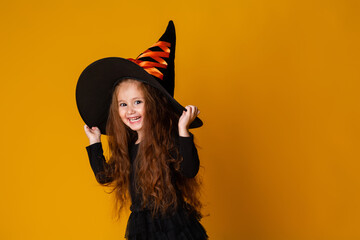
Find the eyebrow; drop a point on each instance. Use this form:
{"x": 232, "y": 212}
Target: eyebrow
{"x": 131, "y": 99}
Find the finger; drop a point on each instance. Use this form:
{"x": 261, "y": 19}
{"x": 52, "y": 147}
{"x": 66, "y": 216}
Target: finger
{"x": 186, "y": 111}
{"x": 193, "y": 110}
{"x": 183, "y": 113}
{"x": 197, "y": 111}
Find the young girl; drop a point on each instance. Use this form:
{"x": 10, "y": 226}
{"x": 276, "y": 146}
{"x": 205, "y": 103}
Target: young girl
{"x": 152, "y": 154}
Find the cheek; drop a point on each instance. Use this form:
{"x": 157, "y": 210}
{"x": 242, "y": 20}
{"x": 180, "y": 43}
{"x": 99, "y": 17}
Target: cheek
{"x": 143, "y": 110}
{"x": 121, "y": 113}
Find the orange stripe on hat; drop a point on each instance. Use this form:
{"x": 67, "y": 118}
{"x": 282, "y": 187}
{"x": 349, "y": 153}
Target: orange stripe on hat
{"x": 159, "y": 62}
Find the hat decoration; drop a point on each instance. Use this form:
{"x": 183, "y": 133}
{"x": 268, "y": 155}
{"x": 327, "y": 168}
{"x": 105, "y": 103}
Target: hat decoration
{"x": 151, "y": 67}
{"x": 155, "y": 67}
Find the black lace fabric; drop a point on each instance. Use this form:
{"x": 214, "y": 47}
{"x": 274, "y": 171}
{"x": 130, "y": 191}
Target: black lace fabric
{"x": 183, "y": 224}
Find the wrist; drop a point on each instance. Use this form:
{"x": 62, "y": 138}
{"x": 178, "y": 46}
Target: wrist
{"x": 183, "y": 132}
{"x": 93, "y": 141}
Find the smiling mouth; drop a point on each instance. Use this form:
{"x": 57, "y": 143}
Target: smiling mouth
{"x": 134, "y": 119}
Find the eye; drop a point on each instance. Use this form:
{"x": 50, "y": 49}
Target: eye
{"x": 122, "y": 104}
{"x": 138, "y": 102}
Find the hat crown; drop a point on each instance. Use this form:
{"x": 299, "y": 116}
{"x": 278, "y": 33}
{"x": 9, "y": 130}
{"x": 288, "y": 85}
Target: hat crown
{"x": 158, "y": 60}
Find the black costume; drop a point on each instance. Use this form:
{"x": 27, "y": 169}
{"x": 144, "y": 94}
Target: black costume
{"x": 182, "y": 224}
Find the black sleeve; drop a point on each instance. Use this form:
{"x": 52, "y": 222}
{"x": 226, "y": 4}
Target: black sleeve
{"x": 189, "y": 167}
{"x": 98, "y": 163}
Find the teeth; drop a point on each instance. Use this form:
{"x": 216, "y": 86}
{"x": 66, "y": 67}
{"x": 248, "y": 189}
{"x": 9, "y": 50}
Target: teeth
{"x": 134, "y": 119}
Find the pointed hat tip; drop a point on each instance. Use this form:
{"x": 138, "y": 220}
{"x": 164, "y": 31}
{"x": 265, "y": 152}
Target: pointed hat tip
{"x": 169, "y": 34}
{"x": 170, "y": 25}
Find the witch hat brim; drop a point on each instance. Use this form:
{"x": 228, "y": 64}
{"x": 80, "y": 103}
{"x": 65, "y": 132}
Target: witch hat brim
{"x": 97, "y": 82}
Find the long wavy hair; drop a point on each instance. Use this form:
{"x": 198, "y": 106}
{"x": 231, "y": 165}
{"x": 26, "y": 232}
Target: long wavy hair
{"x": 157, "y": 159}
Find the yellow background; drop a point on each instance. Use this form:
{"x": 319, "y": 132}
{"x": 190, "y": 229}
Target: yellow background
{"x": 277, "y": 83}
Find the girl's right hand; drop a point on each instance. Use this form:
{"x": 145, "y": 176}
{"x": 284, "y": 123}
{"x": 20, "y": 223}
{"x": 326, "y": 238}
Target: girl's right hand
{"x": 93, "y": 134}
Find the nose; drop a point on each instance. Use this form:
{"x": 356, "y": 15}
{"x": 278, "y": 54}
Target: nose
{"x": 130, "y": 110}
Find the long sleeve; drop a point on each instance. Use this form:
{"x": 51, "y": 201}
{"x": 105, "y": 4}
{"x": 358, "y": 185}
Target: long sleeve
{"x": 98, "y": 163}
{"x": 189, "y": 167}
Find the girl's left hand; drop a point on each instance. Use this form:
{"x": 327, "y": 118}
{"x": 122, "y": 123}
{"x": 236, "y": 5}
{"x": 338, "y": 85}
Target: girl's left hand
{"x": 187, "y": 117}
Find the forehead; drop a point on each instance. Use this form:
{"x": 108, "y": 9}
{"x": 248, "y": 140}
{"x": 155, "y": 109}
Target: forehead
{"x": 129, "y": 89}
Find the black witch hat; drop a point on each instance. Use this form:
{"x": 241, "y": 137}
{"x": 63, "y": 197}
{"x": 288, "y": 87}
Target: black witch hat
{"x": 155, "y": 67}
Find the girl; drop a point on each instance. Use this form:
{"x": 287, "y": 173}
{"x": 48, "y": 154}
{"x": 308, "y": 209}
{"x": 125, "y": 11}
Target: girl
{"x": 152, "y": 154}
{"x": 142, "y": 121}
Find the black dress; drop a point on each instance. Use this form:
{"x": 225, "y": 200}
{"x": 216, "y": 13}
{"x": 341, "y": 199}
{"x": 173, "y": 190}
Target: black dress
{"x": 183, "y": 224}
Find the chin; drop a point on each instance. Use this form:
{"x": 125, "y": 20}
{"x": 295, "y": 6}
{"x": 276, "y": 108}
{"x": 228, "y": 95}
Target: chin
{"x": 138, "y": 127}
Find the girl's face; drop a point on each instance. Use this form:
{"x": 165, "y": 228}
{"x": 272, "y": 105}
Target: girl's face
{"x": 131, "y": 105}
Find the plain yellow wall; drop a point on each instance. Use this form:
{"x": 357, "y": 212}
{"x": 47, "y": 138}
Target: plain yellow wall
{"x": 277, "y": 83}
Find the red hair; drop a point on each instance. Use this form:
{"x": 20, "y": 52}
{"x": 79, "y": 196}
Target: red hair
{"x": 155, "y": 158}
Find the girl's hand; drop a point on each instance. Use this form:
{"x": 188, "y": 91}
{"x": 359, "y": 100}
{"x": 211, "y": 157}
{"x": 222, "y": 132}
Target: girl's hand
{"x": 93, "y": 134}
{"x": 186, "y": 118}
